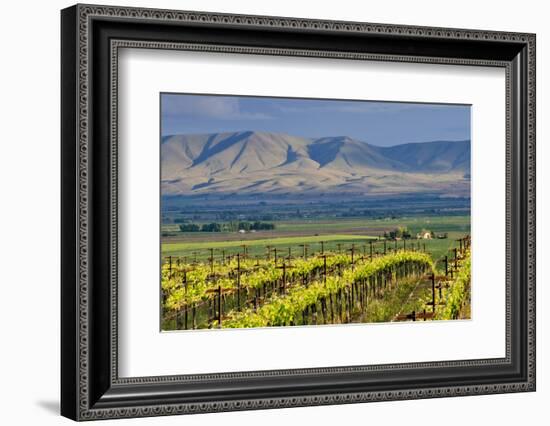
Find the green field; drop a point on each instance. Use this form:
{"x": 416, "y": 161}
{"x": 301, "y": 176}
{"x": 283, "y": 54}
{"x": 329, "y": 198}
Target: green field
{"x": 414, "y": 223}
{"x": 327, "y": 235}
{"x": 176, "y": 249}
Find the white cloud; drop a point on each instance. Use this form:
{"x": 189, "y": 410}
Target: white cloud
{"x": 224, "y": 108}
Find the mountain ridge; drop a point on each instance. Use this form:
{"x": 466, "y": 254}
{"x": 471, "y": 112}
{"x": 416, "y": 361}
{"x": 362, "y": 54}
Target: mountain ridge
{"x": 263, "y": 162}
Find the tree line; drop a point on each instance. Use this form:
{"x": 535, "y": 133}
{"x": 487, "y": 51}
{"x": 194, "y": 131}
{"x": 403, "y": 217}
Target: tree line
{"x": 227, "y": 227}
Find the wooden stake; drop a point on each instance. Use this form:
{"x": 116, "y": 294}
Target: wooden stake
{"x": 456, "y": 259}
{"x": 219, "y": 306}
{"x": 211, "y": 260}
{"x": 238, "y": 282}
{"x": 433, "y": 292}
{"x": 185, "y": 287}
{"x": 370, "y": 243}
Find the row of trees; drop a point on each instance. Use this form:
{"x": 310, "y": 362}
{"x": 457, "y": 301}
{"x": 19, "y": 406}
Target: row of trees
{"x": 401, "y": 232}
{"x": 227, "y": 227}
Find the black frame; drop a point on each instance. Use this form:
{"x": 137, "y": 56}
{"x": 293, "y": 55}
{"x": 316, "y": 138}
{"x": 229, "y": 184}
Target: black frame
{"x": 90, "y": 386}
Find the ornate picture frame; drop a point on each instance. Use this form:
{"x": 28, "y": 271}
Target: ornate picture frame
{"x": 91, "y": 37}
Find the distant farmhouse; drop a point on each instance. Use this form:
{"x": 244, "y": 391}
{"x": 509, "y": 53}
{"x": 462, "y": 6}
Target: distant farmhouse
{"x": 424, "y": 235}
{"x": 428, "y": 235}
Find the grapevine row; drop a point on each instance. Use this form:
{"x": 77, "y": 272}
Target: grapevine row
{"x": 342, "y": 292}
{"x": 457, "y": 294}
{"x": 184, "y": 287}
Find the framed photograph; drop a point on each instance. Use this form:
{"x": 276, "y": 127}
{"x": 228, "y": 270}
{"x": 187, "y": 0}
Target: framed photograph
{"x": 263, "y": 212}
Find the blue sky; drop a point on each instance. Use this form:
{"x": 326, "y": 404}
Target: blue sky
{"x": 378, "y": 123}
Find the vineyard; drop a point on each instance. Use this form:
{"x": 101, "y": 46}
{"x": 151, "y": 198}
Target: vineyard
{"x": 382, "y": 282}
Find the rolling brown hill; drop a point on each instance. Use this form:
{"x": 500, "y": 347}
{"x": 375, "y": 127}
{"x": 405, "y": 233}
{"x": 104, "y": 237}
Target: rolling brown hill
{"x": 251, "y": 163}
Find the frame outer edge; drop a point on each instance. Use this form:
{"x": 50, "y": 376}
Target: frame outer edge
{"x": 80, "y": 340}
{"x": 69, "y": 221}
{"x": 531, "y": 201}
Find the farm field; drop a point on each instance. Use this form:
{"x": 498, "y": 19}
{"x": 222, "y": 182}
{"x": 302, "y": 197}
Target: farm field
{"x": 459, "y": 223}
{"x": 285, "y": 287}
{"x": 318, "y": 235}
